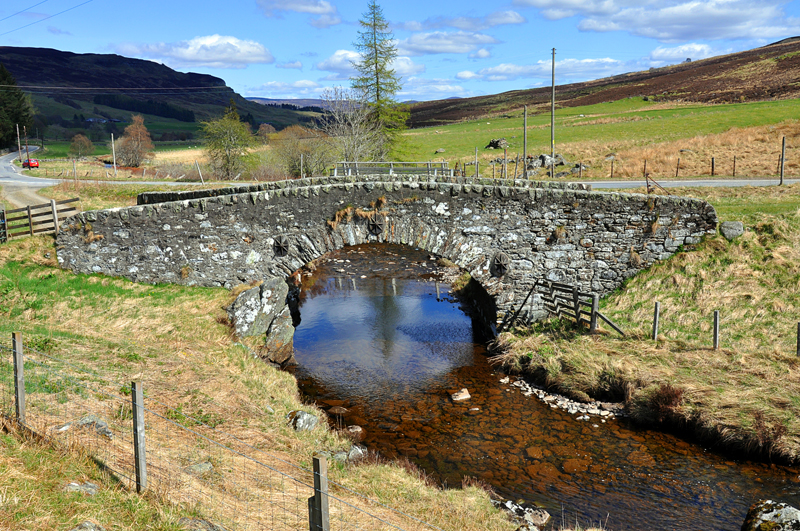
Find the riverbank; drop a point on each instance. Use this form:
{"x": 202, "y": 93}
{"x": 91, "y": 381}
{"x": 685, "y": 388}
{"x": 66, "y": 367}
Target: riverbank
{"x": 743, "y": 397}
{"x": 176, "y": 341}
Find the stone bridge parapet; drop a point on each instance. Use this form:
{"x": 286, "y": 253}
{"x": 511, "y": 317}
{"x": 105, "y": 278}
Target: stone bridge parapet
{"x": 506, "y": 237}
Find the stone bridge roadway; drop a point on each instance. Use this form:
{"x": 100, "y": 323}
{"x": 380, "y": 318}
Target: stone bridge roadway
{"x": 506, "y": 234}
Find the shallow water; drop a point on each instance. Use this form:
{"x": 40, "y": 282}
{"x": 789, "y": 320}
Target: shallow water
{"x": 392, "y": 353}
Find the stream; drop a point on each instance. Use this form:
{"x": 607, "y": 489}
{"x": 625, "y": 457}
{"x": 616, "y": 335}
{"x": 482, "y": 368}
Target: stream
{"x": 375, "y": 339}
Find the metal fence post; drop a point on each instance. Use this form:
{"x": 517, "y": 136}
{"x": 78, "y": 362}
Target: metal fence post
{"x": 655, "y": 320}
{"x": 798, "y": 339}
{"x": 595, "y": 308}
{"x": 140, "y": 461}
{"x": 19, "y": 377}
{"x": 716, "y": 329}
{"x": 318, "y": 513}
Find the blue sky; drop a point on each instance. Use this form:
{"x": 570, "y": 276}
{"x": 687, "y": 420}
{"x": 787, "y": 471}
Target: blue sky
{"x": 295, "y": 49}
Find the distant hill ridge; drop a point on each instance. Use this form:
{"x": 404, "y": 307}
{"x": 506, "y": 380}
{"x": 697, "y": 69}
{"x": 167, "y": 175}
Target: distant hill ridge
{"x": 114, "y": 80}
{"x": 766, "y": 73}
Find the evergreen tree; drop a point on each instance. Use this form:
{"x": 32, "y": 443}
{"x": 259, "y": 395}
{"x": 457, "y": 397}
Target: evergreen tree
{"x": 376, "y": 78}
{"x": 14, "y": 109}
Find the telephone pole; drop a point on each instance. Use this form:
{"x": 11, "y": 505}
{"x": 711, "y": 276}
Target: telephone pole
{"x": 19, "y": 145}
{"x": 553, "y": 121}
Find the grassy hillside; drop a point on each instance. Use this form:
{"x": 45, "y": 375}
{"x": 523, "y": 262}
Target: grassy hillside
{"x": 746, "y": 395}
{"x": 631, "y": 130}
{"x": 765, "y": 73}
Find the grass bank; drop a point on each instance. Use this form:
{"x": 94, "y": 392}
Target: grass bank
{"x": 744, "y": 396}
{"x": 175, "y": 339}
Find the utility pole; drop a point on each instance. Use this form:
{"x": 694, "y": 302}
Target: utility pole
{"x": 114, "y": 154}
{"x": 553, "y": 121}
{"x": 27, "y": 151}
{"x": 19, "y": 145}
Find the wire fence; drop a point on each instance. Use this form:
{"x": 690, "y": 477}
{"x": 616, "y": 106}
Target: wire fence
{"x": 233, "y": 483}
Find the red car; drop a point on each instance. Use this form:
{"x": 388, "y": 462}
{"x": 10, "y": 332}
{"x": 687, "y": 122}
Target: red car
{"x": 30, "y": 163}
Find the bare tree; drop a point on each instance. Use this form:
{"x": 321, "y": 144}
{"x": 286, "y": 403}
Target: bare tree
{"x": 135, "y": 145}
{"x": 302, "y": 151}
{"x": 264, "y": 132}
{"x": 80, "y": 145}
{"x": 355, "y": 136}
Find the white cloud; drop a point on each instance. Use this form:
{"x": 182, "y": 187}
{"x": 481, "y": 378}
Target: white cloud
{"x": 467, "y": 75}
{"x": 679, "y": 53}
{"x": 296, "y": 89}
{"x": 341, "y": 64}
{"x": 423, "y": 88}
{"x": 443, "y": 42}
{"x": 57, "y": 31}
{"x": 676, "y": 20}
{"x": 498, "y": 18}
{"x": 295, "y": 65}
{"x": 483, "y": 53}
{"x": 324, "y": 14}
{"x": 214, "y": 51}
{"x": 566, "y": 69}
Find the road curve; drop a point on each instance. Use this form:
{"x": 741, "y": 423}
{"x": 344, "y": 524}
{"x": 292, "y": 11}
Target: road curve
{"x": 20, "y": 190}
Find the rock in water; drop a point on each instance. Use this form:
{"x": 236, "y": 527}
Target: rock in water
{"x": 463, "y": 394}
{"x": 767, "y": 515}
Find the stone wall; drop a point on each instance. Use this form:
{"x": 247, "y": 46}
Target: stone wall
{"x": 506, "y": 237}
{"x": 151, "y": 198}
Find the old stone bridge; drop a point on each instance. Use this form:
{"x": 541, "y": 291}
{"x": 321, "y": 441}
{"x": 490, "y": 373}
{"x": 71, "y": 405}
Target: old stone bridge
{"x": 506, "y": 234}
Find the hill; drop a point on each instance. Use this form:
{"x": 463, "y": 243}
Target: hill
{"x": 766, "y": 73}
{"x": 70, "y": 87}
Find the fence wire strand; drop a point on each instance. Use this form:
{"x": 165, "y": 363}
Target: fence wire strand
{"x": 77, "y": 407}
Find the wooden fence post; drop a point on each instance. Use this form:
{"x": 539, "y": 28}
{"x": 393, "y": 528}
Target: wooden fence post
{"x": 716, "y": 329}
{"x": 576, "y": 305}
{"x": 139, "y": 456}
{"x": 595, "y": 308}
{"x": 712, "y": 166}
{"x": 734, "y": 165}
{"x": 644, "y": 171}
{"x": 54, "y": 210}
{"x": 677, "y": 167}
{"x": 612, "y": 168}
{"x": 656, "y": 313}
{"x": 318, "y": 513}
{"x": 798, "y": 340}
{"x": 783, "y": 157}
{"x": 30, "y": 220}
{"x": 19, "y": 377}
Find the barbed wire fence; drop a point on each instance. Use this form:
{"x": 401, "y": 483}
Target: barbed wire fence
{"x": 148, "y": 445}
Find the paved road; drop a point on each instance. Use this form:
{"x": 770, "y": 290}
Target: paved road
{"x": 18, "y": 189}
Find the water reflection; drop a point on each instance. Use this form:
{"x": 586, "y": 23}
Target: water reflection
{"x": 392, "y": 354}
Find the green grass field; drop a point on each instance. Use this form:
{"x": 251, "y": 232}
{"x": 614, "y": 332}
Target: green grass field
{"x": 617, "y": 125}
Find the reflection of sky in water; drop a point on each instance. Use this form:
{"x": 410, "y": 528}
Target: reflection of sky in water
{"x": 370, "y": 342}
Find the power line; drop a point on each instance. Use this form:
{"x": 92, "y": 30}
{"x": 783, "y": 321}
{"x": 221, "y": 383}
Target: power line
{"x": 19, "y": 12}
{"x": 49, "y": 87}
{"x": 46, "y": 18}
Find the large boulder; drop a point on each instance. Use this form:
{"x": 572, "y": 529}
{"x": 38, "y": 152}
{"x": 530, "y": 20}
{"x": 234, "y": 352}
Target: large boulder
{"x": 279, "y": 346}
{"x": 497, "y": 143}
{"x": 731, "y": 229}
{"x": 767, "y": 515}
{"x": 254, "y": 310}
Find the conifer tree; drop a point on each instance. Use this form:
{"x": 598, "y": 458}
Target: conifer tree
{"x": 14, "y": 109}
{"x": 376, "y": 78}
